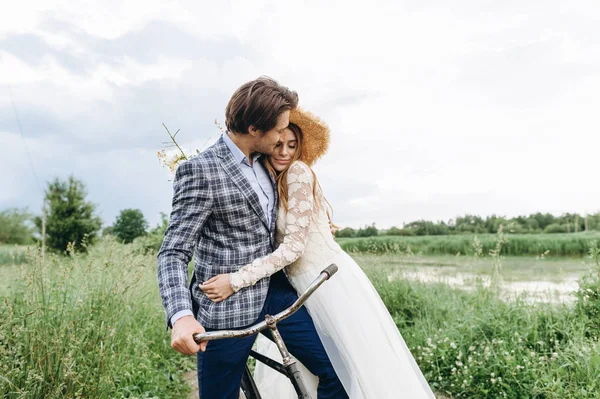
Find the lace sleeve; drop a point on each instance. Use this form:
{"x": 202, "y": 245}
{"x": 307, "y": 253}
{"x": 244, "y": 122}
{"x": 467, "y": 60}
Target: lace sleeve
{"x": 297, "y": 223}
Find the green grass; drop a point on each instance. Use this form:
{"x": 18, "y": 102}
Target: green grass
{"x": 472, "y": 344}
{"x": 575, "y": 244}
{"x": 92, "y": 326}
{"x": 87, "y": 326}
{"x": 13, "y": 254}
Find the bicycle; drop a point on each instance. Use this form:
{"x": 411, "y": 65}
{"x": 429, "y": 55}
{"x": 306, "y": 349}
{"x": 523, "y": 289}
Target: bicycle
{"x": 288, "y": 367}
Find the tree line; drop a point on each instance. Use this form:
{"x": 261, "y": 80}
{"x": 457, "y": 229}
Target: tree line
{"x": 537, "y": 223}
{"x": 72, "y": 218}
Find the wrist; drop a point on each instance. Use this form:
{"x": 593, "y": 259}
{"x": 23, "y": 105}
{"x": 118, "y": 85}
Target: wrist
{"x": 179, "y": 315}
{"x": 235, "y": 282}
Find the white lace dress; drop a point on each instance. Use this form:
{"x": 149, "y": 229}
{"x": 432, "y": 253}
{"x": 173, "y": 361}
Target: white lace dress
{"x": 359, "y": 335}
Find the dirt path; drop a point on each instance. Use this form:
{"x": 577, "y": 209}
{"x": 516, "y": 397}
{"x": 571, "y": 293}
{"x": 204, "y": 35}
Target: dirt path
{"x": 192, "y": 378}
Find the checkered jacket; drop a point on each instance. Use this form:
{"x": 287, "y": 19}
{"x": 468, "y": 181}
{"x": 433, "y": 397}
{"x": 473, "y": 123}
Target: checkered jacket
{"x": 218, "y": 218}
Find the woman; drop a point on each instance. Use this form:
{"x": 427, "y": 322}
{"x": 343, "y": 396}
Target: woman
{"x": 363, "y": 343}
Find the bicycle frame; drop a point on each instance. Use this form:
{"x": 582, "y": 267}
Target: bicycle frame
{"x": 289, "y": 362}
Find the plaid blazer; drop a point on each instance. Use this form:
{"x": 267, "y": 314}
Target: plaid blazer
{"x": 218, "y": 218}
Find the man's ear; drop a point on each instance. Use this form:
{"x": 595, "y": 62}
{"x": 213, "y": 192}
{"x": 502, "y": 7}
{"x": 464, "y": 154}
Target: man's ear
{"x": 254, "y": 131}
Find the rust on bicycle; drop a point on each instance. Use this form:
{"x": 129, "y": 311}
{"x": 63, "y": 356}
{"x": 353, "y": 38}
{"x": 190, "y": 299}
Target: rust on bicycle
{"x": 287, "y": 358}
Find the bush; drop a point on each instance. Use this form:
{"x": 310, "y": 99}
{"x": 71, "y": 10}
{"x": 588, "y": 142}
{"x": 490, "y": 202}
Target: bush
{"x": 588, "y": 294}
{"x": 16, "y": 227}
{"x": 555, "y": 228}
{"x": 367, "y": 231}
{"x": 151, "y": 243}
{"x": 426, "y": 228}
{"x": 345, "y": 233}
{"x": 394, "y": 231}
{"x": 130, "y": 224}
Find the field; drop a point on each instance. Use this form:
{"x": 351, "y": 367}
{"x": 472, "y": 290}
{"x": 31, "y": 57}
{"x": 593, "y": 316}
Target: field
{"x": 11, "y": 254}
{"x": 575, "y": 244}
{"x": 86, "y": 326}
{"x": 93, "y": 326}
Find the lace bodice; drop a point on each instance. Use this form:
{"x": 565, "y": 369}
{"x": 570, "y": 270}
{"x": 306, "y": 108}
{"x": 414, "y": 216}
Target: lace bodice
{"x": 303, "y": 233}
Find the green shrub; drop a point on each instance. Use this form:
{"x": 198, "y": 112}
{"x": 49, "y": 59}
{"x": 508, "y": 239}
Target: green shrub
{"x": 574, "y": 244}
{"x": 588, "y": 294}
{"x": 555, "y": 228}
{"x": 88, "y": 326}
{"x": 471, "y": 344}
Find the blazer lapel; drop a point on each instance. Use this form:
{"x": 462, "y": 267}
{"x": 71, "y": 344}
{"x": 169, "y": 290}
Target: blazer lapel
{"x": 234, "y": 171}
{"x": 275, "y": 204}
{"x": 275, "y": 209}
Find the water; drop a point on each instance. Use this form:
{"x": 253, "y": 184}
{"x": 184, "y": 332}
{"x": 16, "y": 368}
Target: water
{"x": 532, "y": 291}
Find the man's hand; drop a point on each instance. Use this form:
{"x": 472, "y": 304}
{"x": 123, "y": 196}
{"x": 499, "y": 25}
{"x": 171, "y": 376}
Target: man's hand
{"x": 181, "y": 336}
{"x": 217, "y": 289}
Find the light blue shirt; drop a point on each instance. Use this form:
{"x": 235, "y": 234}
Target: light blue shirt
{"x": 257, "y": 176}
{"x": 259, "y": 180}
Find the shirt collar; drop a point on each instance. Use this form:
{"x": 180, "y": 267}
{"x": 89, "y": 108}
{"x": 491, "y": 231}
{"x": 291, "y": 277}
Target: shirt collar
{"x": 238, "y": 154}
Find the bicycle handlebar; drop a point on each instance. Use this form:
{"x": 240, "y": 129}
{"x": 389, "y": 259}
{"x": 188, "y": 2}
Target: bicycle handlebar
{"x": 214, "y": 335}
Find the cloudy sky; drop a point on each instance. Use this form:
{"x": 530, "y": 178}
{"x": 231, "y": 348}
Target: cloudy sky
{"x": 437, "y": 108}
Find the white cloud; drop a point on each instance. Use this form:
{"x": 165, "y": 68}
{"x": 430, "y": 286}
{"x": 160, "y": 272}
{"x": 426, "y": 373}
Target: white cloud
{"x": 436, "y": 108}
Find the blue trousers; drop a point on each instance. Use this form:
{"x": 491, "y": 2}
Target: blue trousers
{"x": 221, "y": 366}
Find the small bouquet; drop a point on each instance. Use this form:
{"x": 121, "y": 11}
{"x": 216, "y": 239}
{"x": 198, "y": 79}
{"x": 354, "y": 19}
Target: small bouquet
{"x": 173, "y": 154}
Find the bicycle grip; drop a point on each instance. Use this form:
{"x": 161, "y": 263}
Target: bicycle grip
{"x": 198, "y": 338}
{"x": 330, "y": 270}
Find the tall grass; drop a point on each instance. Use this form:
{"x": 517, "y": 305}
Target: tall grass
{"x": 88, "y": 326}
{"x": 91, "y": 326}
{"x": 474, "y": 345}
{"x": 575, "y": 244}
{"x": 12, "y": 254}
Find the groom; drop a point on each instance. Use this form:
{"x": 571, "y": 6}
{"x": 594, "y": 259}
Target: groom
{"x": 224, "y": 211}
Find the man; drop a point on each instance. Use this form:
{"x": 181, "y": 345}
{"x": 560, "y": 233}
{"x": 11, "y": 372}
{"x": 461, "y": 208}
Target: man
{"x": 224, "y": 210}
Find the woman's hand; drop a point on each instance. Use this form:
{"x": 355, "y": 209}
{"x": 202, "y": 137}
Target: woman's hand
{"x": 333, "y": 228}
{"x": 217, "y": 289}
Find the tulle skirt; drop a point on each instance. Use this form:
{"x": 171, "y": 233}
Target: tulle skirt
{"x": 362, "y": 341}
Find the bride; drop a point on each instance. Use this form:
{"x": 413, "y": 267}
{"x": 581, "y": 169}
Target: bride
{"x": 368, "y": 353}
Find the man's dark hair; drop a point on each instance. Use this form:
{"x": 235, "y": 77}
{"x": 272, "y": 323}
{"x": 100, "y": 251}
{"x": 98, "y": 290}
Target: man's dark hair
{"x": 258, "y": 103}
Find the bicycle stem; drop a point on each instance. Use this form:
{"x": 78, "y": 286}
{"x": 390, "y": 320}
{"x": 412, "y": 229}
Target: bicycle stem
{"x": 287, "y": 359}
